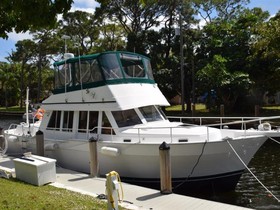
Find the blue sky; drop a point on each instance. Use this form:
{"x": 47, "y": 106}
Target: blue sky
{"x": 6, "y": 46}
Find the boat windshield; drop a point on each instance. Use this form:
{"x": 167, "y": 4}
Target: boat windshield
{"x": 126, "y": 118}
{"x": 151, "y": 113}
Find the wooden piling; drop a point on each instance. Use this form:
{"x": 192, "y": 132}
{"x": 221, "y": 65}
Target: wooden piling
{"x": 94, "y": 165}
{"x": 222, "y": 110}
{"x": 193, "y": 109}
{"x": 2, "y": 140}
{"x": 257, "y": 110}
{"x": 40, "y": 145}
{"x": 165, "y": 169}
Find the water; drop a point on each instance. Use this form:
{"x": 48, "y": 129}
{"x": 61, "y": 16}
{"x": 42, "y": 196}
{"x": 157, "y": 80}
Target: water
{"x": 248, "y": 193}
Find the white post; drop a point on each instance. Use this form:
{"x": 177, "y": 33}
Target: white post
{"x": 27, "y": 105}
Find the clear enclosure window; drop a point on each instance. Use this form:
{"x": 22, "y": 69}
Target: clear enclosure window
{"x": 63, "y": 75}
{"x": 132, "y": 65}
{"x": 88, "y": 71}
{"x": 150, "y": 113}
{"x": 54, "y": 122}
{"x": 110, "y": 66}
{"x": 68, "y": 121}
{"x": 126, "y": 118}
{"x": 149, "y": 68}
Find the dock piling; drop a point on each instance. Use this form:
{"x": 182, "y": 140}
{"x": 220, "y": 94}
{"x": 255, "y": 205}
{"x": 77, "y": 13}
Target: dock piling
{"x": 165, "y": 169}
{"x": 94, "y": 165}
{"x": 40, "y": 147}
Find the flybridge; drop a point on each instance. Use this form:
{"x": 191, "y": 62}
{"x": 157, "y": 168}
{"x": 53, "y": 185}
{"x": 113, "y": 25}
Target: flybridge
{"x": 114, "y": 67}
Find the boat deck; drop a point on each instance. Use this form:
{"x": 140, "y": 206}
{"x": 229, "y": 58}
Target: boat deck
{"x": 135, "y": 197}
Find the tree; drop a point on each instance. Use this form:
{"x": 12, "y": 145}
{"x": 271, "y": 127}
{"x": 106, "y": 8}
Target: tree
{"x": 265, "y": 57}
{"x": 135, "y": 17}
{"x": 22, "y": 15}
{"x": 231, "y": 39}
{"x": 24, "y": 52}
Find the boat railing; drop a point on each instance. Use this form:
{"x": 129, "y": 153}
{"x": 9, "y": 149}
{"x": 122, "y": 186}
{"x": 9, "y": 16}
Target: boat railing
{"x": 223, "y": 121}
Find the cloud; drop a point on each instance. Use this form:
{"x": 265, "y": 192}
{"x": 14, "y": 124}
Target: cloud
{"x": 84, "y": 5}
{"x": 13, "y": 36}
{"x": 88, "y": 10}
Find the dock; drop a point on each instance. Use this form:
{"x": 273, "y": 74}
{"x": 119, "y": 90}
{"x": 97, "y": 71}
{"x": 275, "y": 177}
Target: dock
{"x": 135, "y": 197}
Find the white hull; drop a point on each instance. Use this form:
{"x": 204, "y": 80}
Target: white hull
{"x": 141, "y": 160}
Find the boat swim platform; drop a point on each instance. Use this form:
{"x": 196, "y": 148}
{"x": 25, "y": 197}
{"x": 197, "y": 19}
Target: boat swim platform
{"x": 135, "y": 197}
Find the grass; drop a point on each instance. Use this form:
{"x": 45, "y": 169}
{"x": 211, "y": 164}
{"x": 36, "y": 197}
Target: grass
{"x": 199, "y": 107}
{"x": 15, "y": 194}
{"x": 12, "y": 109}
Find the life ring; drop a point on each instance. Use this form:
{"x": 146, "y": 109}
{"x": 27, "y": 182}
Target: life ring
{"x": 39, "y": 114}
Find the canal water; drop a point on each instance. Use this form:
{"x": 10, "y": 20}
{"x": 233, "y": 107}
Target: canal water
{"x": 248, "y": 193}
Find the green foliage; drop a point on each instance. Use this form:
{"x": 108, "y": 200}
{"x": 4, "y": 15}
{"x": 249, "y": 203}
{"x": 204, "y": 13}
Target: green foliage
{"x": 22, "y": 15}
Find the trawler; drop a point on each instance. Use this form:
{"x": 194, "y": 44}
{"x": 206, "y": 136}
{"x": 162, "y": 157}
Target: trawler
{"x": 112, "y": 97}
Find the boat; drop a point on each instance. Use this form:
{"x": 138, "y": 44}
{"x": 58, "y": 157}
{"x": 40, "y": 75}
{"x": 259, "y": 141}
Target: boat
{"x": 112, "y": 97}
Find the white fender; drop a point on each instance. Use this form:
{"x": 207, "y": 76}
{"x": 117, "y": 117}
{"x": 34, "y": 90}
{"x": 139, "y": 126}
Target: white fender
{"x": 51, "y": 147}
{"x": 110, "y": 151}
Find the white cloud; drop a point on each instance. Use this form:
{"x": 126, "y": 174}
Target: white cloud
{"x": 86, "y": 3}
{"x": 13, "y": 36}
{"x": 88, "y": 10}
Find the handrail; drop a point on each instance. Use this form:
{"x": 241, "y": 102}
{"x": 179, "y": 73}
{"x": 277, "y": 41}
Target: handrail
{"x": 221, "y": 119}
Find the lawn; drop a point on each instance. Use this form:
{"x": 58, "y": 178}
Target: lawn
{"x": 15, "y": 194}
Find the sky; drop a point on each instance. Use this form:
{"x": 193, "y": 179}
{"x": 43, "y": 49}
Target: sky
{"x": 6, "y": 46}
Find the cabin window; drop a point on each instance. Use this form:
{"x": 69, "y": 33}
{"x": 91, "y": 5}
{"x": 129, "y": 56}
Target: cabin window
{"x": 88, "y": 71}
{"x": 126, "y": 118}
{"x": 150, "y": 113}
{"x": 68, "y": 121}
{"x": 54, "y": 122}
{"x": 132, "y": 65}
{"x": 110, "y": 66}
{"x": 93, "y": 121}
{"x": 83, "y": 116}
{"x": 106, "y": 125}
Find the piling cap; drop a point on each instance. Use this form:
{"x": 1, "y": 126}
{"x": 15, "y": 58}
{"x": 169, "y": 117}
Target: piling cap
{"x": 39, "y": 132}
{"x": 93, "y": 139}
{"x": 164, "y": 146}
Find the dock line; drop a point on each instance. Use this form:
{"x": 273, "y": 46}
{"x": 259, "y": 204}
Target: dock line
{"x": 195, "y": 165}
{"x": 252, "y": 173}
{"x": 273, "y": 139}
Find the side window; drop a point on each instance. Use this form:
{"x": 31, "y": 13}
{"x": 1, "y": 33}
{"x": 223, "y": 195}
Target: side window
{"x": 83, "y": 116}
{"x": 126, "y": 118}
{"x": 106, "y": 125}
{"x": 93, "y": 122}
{"x": 54, "y": 122}
{"x": 68, "y": 121}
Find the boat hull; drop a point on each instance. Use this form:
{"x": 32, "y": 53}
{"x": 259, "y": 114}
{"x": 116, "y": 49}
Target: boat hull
{"x": 196, "y": 166}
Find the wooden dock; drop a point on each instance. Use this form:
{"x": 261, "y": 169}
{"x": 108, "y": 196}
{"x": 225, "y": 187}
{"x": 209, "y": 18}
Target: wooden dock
{"x": 135, "y": 197}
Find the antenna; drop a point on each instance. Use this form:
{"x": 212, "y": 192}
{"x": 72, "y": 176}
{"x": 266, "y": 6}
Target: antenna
{"x": 65, "y": 37}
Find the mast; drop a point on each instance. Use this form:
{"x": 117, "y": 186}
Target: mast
{"x": 27, "y": 105}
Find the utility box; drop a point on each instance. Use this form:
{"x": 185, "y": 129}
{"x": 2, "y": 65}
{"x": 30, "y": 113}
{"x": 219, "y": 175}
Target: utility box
{"x": 35, "y": 169}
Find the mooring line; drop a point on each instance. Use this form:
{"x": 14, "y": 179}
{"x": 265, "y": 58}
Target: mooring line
{"x": 273, "y": 139}
{"x": 252, "y": 172}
